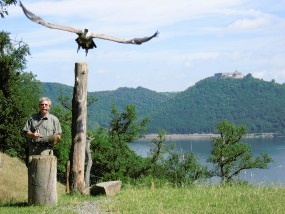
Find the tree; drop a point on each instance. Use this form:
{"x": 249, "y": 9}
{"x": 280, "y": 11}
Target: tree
{"x": 230, "y": 156}
{"x": 181, "y": 169}
{"x": 4, "y": 4}
{"x": 176, "y": 168}
{"x": 112, "y": 157}
{"x": 123, "y": 126}
{"x": 19, "y": 93}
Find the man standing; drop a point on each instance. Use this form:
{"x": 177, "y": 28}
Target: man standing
{"x": 43, "y": 130}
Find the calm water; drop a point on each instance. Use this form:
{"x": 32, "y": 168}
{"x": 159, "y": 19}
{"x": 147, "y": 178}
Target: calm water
{"x": 275, "y": 147}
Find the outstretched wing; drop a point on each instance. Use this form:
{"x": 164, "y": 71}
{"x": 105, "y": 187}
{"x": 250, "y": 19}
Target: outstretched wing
{"x": 40, "y": 21}
{"x": 137, "y": 41}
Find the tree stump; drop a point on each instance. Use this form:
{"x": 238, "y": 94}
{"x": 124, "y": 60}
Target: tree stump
{"x": 42, "y": 180}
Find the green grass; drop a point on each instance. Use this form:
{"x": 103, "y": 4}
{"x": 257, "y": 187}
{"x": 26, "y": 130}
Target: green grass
{"x": 199, "y": 199}
{"x": 13, "y": 179}
{"x": 194, "y": 199}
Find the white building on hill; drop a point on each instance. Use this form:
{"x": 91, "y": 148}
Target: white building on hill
{"x": 234, "y": 75}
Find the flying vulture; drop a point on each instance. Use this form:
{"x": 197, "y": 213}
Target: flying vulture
{"x": 85, "y": 38}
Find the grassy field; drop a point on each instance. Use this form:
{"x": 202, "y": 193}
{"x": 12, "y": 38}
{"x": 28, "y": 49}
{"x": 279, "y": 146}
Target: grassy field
{"x": 162, "y": 199}
{"x": 199, "y": 199}
{"x": 13, "y": 179}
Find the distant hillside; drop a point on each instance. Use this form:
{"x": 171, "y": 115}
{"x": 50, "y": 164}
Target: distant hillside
{"x": 253, "y": 102}
{"x": 249, "y": 101}
{"x": 100, "y": 111}
{"x": 143, "y": 99}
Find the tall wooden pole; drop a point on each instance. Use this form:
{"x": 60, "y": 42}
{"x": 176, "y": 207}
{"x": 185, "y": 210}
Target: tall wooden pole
{"x": 79, "y": 128}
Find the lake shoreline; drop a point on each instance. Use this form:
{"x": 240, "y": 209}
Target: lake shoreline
{"x": 205, "y": 136}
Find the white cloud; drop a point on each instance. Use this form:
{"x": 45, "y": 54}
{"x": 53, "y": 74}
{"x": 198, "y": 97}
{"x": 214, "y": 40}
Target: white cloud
{"x": 249, "y": 23}
{"x": 268, "y": 75}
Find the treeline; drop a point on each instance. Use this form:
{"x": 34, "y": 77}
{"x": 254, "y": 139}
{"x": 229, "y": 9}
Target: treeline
{"x": 249, "y": 101}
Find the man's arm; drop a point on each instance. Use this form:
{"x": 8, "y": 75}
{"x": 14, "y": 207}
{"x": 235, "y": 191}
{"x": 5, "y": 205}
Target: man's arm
{"x": 32, "y": 135}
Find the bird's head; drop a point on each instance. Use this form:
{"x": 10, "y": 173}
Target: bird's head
{"x": 85, "y": 33}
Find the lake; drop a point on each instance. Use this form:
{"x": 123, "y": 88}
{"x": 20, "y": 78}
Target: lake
{"x": 275, "y": 147}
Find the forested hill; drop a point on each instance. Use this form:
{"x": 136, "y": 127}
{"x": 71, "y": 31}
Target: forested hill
{"x": 99, "y": 113}
{"x": 249, "y": 101}
{"x": 253, "y": 102}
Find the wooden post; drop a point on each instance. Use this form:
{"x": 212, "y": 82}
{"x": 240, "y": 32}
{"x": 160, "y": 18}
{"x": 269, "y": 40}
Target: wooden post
{"x": 67, "y": 190}
{"x": 79, "y": 128}
{"x": 42, "y": 180}
{"x": 89, "y": 162}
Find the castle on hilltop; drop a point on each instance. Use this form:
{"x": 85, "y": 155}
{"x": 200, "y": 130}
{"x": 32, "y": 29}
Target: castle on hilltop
{"x": 234, "y": 75}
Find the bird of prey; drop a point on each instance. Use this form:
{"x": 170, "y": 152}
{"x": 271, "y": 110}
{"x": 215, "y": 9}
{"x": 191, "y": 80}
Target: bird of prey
{"x": 85, "y": 38}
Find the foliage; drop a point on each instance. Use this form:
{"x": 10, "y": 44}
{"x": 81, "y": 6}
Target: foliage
{"x": 19, "y": 93}
{"x": 176, "y": 168}
{"x": 112, "y": 158}
{"x": 230, "y": 156}
{"x": 159, "y": 149}
{"x": 123, "y": 126}
{"x": 100, "y": 114}
{"x": 256, "y": 103}
{"x": 253, "y": 102}
{"x": 182, "y": 169}
{"x": 62, "y": 150}
{"x": 4, "y": 4}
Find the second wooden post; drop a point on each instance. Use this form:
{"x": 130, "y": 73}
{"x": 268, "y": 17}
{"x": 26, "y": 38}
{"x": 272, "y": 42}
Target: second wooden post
{"x": 79, "y": 128}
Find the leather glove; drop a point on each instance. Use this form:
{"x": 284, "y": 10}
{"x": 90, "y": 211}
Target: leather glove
{"x": 53, "y": 140}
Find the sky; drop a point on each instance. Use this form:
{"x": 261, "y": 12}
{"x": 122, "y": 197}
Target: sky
{"x": 196, "y": 40}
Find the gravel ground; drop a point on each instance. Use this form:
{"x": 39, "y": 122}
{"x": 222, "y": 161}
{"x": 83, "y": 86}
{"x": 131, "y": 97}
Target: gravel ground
{"x": 87, "y": 207}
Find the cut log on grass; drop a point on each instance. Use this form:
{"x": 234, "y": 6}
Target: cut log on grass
{"x": 109, "y": 188}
